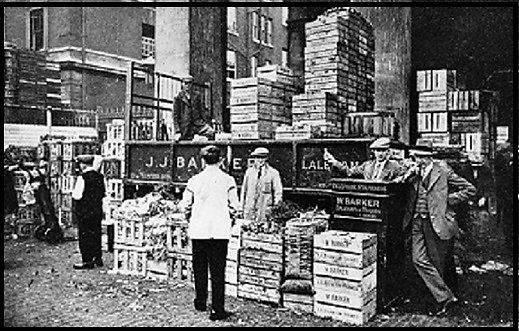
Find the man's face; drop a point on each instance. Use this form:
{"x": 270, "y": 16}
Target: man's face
{"x": 259, "y": 162}
{"x": 422, "y": 160}
{"x": 186, "y": 85}
{"x": 381, "y": 154}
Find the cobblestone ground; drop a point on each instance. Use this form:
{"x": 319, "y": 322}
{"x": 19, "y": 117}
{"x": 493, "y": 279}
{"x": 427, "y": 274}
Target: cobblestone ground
{"x": 42, "y": 289}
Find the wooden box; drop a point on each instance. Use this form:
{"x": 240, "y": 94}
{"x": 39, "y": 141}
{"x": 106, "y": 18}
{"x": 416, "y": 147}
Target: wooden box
{"x": 130, "y": 260}
{"x": 129, "y": 231}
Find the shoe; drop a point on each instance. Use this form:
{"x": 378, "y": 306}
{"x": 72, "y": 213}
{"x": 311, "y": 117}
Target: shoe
{"x": 98, "y": 262}
{"x": 200, "y": 307}
{"x": 80, "y": 266}
{"x": 446, "y": 306}
{"x": 219, "y": 316}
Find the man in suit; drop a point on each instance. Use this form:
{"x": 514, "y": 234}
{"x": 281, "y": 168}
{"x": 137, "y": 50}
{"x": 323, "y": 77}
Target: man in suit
{"x": 435, "y": 190}
{"x": 188, "y": 114}
{"x": 380, "y": 169}
{"x": 262, "y": 188}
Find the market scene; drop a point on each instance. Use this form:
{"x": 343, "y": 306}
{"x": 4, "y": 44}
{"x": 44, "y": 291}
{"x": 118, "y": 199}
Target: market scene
{"x": 259, "y": 166}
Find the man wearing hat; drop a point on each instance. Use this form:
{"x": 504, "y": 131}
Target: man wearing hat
{"x": 262, "y": 188}
{"x": 435, "y": 190}
{"x": 210, "y": 202}
{"x": 381, "y": 168}
{"x": 188, "y": 114}
{"x": 88, "y": 195}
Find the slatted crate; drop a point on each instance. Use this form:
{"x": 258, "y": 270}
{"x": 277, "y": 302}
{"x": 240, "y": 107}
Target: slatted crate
{"x": 114, "y": 149}
{"x": 28, "y": 214}
{"x": 56, "y": 200}
{"x": 68, "y": 168}
{"x": 345, "y": 290}
{"x": 113, "y": 168}
{"x": 20, "y": 178}
{"x": 299, "y": 302}
{"x": 177, "y": 240}
{"x": 115, "y": 189}
{"x": 67, "y": 183}
{"x": 107, "y": 236}
{"x": 130, "y": 260}
{"x": 25, "y": 229}
{"x": 182, "y": 266}
{"x": 66, "y": 202}
{"x": 55, "y": 168}
{"x": 55, "y": 150}
{"x": 159, "y": 270}
{"x": 129, "y": 231}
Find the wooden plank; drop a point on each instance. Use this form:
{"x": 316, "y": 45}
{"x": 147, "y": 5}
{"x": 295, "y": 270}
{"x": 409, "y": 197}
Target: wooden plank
{"x": 346, "y": 299}
{"x": 367, "y": 284}
{"x": 259, "y": 281}
{"x": 352, "y": 316}
{"x": 259, "y": 272}
{"x": 351, "y": 242}
{"x": 346, "y": 260}
{"x": 329, "y": 270}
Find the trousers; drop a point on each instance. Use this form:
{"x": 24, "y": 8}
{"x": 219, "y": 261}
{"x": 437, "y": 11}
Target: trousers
{"x": 210, "y": 253}
{"x": 89, "y": 233}
{"x": 431, "y": 256}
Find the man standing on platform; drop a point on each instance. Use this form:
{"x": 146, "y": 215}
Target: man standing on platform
{"x": 210, "y": 202}
{"x": 381, "y": 168}
{"x": 88, "y": 195}
{"x": 262, "y": 188}
{"x": 435, "y": 190}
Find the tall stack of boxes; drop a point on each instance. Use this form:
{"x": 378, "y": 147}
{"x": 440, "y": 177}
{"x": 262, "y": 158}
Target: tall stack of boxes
{"x": 345, "y": 276}
{"x": 339, "y": 81}
{"x": 28, "y": 217}
{"x": 448, "y": 115}
{"x": 63, "y": 175}
{"x": 10, "y": 75}
{"x": 113, "y": 152}
{"x": 260, "y": 104}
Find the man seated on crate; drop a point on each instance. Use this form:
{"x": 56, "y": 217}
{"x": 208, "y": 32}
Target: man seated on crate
{"x": 188, "y": 114}
{"x": 210, "y": 203}
{"x": 88, "y": 196}
{"x": 50, "y": 231}
{"x": 380, "y": 169}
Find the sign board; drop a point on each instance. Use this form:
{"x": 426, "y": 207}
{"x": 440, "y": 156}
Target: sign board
{"x": 314, "y": 172}
{"x": 150, "y": 162}
{"x": 187, "y": 161}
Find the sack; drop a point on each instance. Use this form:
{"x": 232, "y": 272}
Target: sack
{"x": 28, "y": 195}
{"x": 298, "y": 286}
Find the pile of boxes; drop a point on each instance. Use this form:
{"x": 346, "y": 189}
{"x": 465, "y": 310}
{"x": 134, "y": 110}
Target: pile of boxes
{"x": 345, "y": 276}
{"x": 449, "y": 115}
{"x": 260, "y": 104}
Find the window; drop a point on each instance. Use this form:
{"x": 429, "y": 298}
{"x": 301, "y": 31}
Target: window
{"x": 268, "y": 36}
{"x": 255, "y": 27}
{"x": 263, "y": 30}
{"x": 284, "y": 58}
{"x": 284, "y": 15}
{"x": 36, "y": 26}
{"x": 231, "y": 20}
{"x": 253, "y": 66}
{"x": 231, "y": 64}
{"x": 148, "y": 41}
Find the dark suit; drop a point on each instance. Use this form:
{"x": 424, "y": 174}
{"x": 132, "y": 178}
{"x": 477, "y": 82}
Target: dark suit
{"x": 433, "y": 233}
{"x": 367, "y": 170}
{"x": 187, "y": 115}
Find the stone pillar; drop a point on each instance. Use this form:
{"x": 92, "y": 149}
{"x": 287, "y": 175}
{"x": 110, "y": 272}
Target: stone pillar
{"x": 193, "y": 40}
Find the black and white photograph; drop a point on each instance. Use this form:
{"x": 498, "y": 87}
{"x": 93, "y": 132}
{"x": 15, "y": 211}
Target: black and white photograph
{"x": 260, "y": 164}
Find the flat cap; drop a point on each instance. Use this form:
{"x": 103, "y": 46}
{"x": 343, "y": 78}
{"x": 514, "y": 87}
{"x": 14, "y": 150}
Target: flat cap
{"x": 87, "y": 159}
{"x": 210, "y": 150}
{"x": 260, "y": 152}
{"x": 187, "y": 78}
{"x": 381, "y": 143}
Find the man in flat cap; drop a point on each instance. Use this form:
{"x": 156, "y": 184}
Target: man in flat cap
{"x": 210, "y": 202}
{"x": 188, "y": 114}
{"x": 435, "y": 190}
{"x": 88, "y": 195}
{"x": 262, "y": 188}
{"x": 381, "y": 168}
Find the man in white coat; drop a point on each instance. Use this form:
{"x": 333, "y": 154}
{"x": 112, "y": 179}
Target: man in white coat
{"x": 261, "y": 189}
{"x": 210, "y": 203}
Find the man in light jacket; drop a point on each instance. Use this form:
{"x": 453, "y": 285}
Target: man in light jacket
{"x": 262, "y": 188}
{"x": 210, "y": 203}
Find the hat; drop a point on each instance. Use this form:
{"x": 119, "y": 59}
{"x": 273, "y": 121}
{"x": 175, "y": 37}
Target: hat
{"x": 87, "y": 159}
{"x": 381, "y": 143}
{"x": 423, "y": 148}
{"x": 260, "y": 152}
{"x": 187, "y": 78}
{"x": 210, "y": 150}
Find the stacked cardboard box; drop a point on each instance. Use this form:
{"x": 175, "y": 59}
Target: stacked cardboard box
{"x": 259, "y": 105}
{"x": 345, "y": 276}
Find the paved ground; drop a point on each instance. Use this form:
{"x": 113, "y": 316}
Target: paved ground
{"x": 41, "y": 289}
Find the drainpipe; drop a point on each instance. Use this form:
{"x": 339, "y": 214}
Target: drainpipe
{"x": 83, "y": 56}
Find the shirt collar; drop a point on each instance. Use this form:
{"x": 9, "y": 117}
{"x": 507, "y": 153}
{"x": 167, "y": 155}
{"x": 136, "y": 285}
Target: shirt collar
{"x": 428, "y": 169}
{"x": 87, "y": 169}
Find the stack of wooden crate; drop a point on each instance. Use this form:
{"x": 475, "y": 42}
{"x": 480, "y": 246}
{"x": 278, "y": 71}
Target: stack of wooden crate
{"x": 130, "y": 253}
{"x": 320, "y": 110}
{"x": 258, "y": 105}
{"x": 345, "y": 273}
{"x": 180, "y": 265}
{"x": 63, "y": 174}
{"x": 448, "y": 115}
{"x": 28, "y": 217}
{"x": 10, "y": 75}
{"x": 260, "y": 267}
{"x": 371, "y": 124}
{"x": 113, "y": 152}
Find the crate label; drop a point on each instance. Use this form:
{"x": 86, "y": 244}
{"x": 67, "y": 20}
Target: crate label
{"x": 353, "y": 242}
{"x": 367, "y": 284}
{"x": 344, "y": 314}
{"x": 335, "y": 271}
{"x": 347, "y": 260}
{"x": 345, "y": 299}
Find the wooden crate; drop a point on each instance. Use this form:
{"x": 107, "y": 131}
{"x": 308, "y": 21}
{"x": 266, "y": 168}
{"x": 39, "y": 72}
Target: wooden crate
{"x": 68, "y": 183}
{"x": 55, "y": 150}
{"x": 66, "y": 202}
{"x": 25, "y": 229}
{"x": 182, "y": 266}
{"x": 303, "y": 303}
{"x": 159, "y": 270}
{"x": 115, "y": 189}
{"x": 55, "y": 168}
{"x": 352, "y": 316}
{"x": 66, "y": 218}
{"x": 130, "y": 260}
{"x": 177, "y": 240}
{"x": 28, "y": 214}
{"x": 259, "y": 293}
{"x": 129, "y": 231}
{"x": 20, "y": 178}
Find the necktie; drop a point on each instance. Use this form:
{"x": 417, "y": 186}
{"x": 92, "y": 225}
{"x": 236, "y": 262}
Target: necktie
{"x": 376, "y": 173}
{"x": 259, "y": 172}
